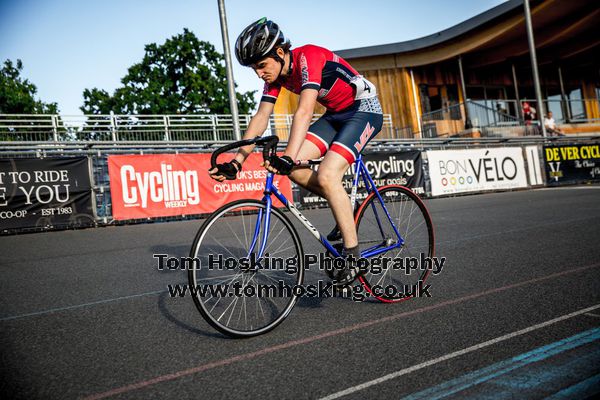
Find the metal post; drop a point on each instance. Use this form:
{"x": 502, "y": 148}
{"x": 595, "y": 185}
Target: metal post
{"x": 230, "y": 81}
{"x": 563, "y": 96}
{"x": 166, "y": 123}
{"x": 414, "y": 89}
{"x": 113, "y": 127}
{"x": 536, "y": 77}
{"x": 463, "y": 87}
{"x": 54, "y": 127}
{"x": 213, "y": 119}
{"x": 516, "y": 83}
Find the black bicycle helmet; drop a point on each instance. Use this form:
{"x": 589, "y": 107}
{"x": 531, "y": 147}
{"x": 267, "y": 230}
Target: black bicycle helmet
{"x": 259, "y": 40}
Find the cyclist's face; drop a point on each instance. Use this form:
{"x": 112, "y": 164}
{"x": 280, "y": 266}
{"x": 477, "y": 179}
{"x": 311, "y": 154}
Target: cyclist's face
{"x": 267, "y": 69}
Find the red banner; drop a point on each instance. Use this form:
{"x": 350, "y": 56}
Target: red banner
{"x": 161, "y": 185}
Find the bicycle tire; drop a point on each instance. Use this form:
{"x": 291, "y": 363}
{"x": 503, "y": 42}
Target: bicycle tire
{"x": 415, "y": 227}
{"x": 245, "y": 212}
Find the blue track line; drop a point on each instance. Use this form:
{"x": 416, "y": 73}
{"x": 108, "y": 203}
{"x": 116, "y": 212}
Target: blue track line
{"x": 480, "y": 376}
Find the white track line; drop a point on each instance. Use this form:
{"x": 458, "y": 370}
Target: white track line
{"x": 458, "y": 353}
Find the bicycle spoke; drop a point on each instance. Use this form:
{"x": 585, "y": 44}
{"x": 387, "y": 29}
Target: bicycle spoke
{"x": 225, "y": 285}
{"x": 409, "y": 218}
{"x": 222, "y": 234}
{"x": 225, "y": 248}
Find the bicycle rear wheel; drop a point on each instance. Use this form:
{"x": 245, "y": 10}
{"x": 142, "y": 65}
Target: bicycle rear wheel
{"x": 245, "y": 300}
{"x": 393, "y": 283}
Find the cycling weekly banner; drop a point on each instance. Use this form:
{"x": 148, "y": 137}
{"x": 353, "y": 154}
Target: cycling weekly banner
{"x": 45, "y": 192}
{"x": 399, "y": 168}
{"x": 460, "y": 171}
{"x": 162, "y": 185}
{"x": 572, "y": 164}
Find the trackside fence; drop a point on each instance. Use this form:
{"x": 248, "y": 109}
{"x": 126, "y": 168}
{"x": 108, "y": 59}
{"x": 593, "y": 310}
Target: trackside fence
{"x": 47, "y": 185}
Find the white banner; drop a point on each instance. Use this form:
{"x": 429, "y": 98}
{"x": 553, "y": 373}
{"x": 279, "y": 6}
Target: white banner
{"x": 459, "y": 171}
{"x": 533, "y": 166}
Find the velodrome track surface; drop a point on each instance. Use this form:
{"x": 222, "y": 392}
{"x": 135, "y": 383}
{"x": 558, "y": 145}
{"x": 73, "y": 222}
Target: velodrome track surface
{"x": 514, "y": 314}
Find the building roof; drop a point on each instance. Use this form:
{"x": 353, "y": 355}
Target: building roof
{"x": 566, "y": 32}
{"x": 436, "y": 38}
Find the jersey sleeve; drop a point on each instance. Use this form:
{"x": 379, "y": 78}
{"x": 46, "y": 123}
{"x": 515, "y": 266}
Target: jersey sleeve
{"x": 312, "y": 61}
{"x": 270, "y": 93}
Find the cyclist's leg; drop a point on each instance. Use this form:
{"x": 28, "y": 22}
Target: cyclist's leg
{"x": 356, "y": 132}
{"x": 306, "y": 177}
{"x": 329, "y": 176}
{"x": 346, "y": 147}
{"x": 319, "y": 136}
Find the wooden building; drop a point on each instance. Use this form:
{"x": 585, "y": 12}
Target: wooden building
{"x": 421, "y": 85}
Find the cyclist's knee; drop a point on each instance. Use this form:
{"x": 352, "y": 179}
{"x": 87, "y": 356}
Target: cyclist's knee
{"x": 328, "y": 178}
{"x": 300, "y": 175}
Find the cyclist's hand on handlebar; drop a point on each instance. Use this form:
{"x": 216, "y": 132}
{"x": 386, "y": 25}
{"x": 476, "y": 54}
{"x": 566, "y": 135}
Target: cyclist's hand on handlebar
{"x": 225, "y": 171}
{"x": 279, "y": 165}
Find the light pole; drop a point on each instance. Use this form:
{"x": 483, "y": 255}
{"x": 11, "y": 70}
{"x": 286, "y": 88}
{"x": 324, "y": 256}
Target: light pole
{"x": 228, "y": 67}
{"x": 536, "y": 77}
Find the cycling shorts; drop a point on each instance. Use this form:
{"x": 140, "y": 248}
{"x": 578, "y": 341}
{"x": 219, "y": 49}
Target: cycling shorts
{"x": 347, "y": 132}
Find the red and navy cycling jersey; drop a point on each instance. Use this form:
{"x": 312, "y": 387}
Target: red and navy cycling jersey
{"x": 314, "y": 67}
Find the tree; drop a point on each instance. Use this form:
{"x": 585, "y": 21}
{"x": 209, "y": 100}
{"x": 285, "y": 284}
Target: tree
{"x": 182, "y": 76}
{"x": 17, "y": 95}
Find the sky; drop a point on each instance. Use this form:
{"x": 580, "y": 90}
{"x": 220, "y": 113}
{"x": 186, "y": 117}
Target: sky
{"x": 69, "y": 45}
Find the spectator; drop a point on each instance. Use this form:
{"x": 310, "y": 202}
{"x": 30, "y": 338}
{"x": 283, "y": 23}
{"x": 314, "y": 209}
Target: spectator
{"x": 529, "y": 113}
{"x": 550, "y": 125}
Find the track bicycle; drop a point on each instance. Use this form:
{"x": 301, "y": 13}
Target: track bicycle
{"x": 391, "y": 221}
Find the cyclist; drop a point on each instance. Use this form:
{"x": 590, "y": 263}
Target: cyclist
{"x": 352, "y": 119}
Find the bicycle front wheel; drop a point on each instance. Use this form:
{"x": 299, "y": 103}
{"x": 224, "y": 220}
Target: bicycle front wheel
{"x": 396, "y": 279}
{"x": 241, "y": 288}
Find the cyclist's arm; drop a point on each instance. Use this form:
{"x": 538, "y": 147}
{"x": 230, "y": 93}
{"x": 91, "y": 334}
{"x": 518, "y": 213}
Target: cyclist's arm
{"x": 301, "y": 121}
{"x": 257, "y": 126}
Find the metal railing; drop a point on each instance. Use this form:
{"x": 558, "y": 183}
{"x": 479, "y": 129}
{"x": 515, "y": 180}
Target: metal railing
{"x": 505, "y": 117}
{"x": 570, "y": 110}
{"x": 125, "y": 128}
{"x": 482, "y": 116}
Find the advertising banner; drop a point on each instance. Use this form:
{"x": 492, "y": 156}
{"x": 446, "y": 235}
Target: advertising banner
{"x": 572, "y": 163}
{"x": 460, "y": 171}
{"x": 45, "y": 192}
{"x": 399, "y": 168}
{"x": 534, "y": 168}
{"x": 161, "y": 185}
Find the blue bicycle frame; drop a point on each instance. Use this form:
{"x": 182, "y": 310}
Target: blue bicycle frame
{"x": 264, "y": 216}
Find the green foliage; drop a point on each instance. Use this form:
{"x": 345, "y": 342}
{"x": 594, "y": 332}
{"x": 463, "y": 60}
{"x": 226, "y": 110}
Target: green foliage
{"x": 17, "y": 95}
{"x": 182, "y": 76}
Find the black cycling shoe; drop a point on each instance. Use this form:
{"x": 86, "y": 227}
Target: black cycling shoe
{"x": 331, "y": 271}
{"x": 349, "y": 274}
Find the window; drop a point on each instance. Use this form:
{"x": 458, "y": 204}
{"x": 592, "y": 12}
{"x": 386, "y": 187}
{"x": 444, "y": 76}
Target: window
{"x": 576, "y": 104}
{"x": 431, "y": 99}
{"x": 554, "y": 104}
